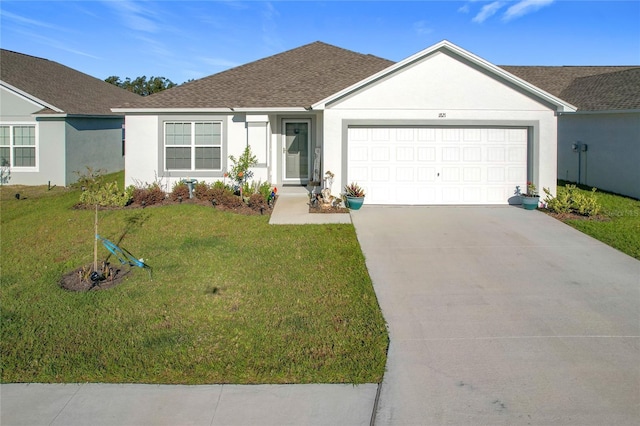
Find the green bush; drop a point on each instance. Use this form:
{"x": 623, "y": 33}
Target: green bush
{"x": 572, "y": 200}
{"x": 106, "y": 195}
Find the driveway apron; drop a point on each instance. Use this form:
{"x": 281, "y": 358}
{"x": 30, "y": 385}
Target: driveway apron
{"x": 501, "y": 316}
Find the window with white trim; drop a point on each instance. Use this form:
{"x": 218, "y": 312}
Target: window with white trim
{"x": 195, "y": 145}
{"x": 18, "y": 146}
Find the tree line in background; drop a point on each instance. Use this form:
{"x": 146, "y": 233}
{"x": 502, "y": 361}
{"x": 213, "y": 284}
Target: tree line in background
{"x": 141, "y": 85}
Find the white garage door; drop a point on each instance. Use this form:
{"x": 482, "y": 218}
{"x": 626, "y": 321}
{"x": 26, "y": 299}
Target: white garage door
{"x": 443, "y": 165}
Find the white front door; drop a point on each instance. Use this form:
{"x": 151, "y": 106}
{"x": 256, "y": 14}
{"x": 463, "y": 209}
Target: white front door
{"x": 296, "y": 151}
{"x": 437, "y": 165}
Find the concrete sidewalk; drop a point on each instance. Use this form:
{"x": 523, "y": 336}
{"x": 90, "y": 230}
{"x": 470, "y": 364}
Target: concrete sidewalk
{"x": 207, "y": 405}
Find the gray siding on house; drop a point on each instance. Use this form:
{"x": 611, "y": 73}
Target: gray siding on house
{"x": 49, "y": 157}
{"x": 95, "y": 143}
{"x": 15, "y": 108}
{"x": 612, "y": 159}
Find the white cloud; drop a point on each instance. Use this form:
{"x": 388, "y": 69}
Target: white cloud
{"x": 30, "y": 22}
{"x": 488, "y": 11}
{"x": 218, "y": 62}
{"x": 134, "y": 15}
{"x": 422, "y": 27}
{"x": 524, "y": 7}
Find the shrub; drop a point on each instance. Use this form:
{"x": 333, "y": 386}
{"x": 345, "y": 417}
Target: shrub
{"x": 265, "y": 190}
{"x": 106, "y": 195}
{"x": 200, "y": 191}
{"x": 180, "y": 191}
{"x": 90, "y": 179}
{"x": 572, "y": 200}
{"x": 149, "y": 195}
{"x": 95, "y": 191}
{"x": 224, "y": 197}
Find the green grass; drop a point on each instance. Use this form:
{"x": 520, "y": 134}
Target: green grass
{"x": 232, "y": 300}
{"x": 619, "y": 226}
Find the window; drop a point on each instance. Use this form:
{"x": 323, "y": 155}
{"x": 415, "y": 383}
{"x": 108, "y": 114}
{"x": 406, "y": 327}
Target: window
{"x": 193, "y": 145}
{"x": 17, "y": 146}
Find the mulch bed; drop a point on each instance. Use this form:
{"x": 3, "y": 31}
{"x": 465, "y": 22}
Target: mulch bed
{"x": 575, "y": 216}
{"x": 77, "y": 280}
{"x": 323, "y": 208}
{"x": 243, "y": 210}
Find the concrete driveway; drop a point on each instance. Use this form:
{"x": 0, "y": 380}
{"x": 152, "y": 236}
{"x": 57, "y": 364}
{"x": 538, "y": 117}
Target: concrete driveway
{"x": 502, "y": 316}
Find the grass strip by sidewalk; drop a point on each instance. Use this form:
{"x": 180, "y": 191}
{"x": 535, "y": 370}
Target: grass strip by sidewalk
{"x": 232, "y": 300}
{"x": 619, "y": 225}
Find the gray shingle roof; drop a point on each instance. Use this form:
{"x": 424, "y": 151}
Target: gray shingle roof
{"x": 62, "y": 87}
{"x": 295, "y": 78}
{"x": 303, "y": 76}
{"x": 590, "y": 88}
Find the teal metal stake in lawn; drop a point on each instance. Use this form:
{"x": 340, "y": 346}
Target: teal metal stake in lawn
{"x": 123, "y": 255}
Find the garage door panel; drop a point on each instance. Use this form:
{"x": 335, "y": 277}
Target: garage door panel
{"x": 380, "y": 134}
{"x": 496, "y": 174}
{"x": 405, "y": 174}
{"x": 405, "y": 134}
{"x": 451, "y": 195}
{"x": 472, "y": 175}
{"x": 517, "y": 154}
{"x": 380, "y": 153}
{"x": 426, "y": 154}
{"x": 450, "y": 154}
{"x": 517, "y": 174}
{"x": 450, "y": 174}
{"x": 472, "y": 195}
{"x": 427, "y": 135}
{"x": 378, "y": 194}
{"x": 471, "y": 154}
{"x": 360, "y": 174}
{"x": 437, "y": 165}
{"x": 380, "y": 174}
{"x": 496, "y": 154}
{"x": 426, "y": 174}
{"x": 358, "y": 154}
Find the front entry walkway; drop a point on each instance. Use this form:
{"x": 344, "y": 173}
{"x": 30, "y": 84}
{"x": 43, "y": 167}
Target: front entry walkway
{"x": 501, "y": 316}
{"x": 292, "y": 208}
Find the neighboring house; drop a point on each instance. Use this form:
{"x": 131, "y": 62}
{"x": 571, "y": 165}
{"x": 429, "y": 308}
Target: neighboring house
{"x": 599, "y": 144}
{"x": 55, "y": 121}
{"x": 440, "y": 127}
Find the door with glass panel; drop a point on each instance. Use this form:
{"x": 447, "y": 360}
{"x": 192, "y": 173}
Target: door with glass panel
{"x": 296, "y": 151}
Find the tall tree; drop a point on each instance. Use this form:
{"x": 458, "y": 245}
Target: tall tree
{"x": 141, "y": 85}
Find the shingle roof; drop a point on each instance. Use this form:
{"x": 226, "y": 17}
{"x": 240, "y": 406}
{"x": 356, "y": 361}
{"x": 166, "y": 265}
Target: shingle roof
{"x": 590, "y": 88}
{"x": 295, "y": 78}
{"x": 62, "y": 87}
{"x": 303, "y": 76}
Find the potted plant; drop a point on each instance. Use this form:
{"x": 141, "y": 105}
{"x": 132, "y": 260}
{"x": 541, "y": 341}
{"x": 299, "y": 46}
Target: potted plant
{"x": 530, "y": 199}
{"x": 354, "y": 195}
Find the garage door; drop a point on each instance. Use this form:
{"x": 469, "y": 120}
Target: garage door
{"x": 443, "y": 165}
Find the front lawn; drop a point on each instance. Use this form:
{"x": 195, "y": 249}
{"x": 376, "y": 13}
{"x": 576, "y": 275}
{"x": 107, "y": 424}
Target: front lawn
{"x": 618, "y": 224}
{"x": 232, "y": 299}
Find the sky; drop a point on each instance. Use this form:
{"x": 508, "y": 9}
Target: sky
{"x": 183, "y": 40}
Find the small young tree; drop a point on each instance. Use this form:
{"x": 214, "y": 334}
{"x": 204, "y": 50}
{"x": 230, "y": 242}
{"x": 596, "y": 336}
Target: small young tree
{"x": 239, "y": 172}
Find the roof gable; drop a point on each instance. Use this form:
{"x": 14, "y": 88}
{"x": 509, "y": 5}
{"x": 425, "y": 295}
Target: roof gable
{"x": 295, "y": 78}
{"x": 462, "y": 55}
{"x": 58, "y": 88}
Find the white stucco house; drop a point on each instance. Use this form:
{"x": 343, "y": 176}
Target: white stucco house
{"x": 443, "y": 126}
{"x": 55, "y": 121}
